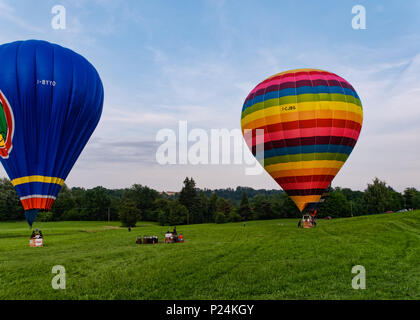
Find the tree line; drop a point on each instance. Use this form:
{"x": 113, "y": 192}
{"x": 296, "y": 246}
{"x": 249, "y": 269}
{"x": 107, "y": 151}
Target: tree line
{"x": 192, "y": 205}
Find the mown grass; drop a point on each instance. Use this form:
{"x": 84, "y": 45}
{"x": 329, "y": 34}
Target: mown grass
{"x": 263, "y": 260}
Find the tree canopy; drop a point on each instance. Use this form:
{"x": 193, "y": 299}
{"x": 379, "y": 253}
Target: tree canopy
{"x": 192, "y": 205}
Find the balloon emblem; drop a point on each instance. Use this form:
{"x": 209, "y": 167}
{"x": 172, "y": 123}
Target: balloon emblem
{"x": 303, "y": 124}
{"x": 50, "y": 103}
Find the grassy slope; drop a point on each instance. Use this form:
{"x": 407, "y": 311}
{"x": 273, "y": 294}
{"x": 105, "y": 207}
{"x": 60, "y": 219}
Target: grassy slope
{"x": 264, "y": 260}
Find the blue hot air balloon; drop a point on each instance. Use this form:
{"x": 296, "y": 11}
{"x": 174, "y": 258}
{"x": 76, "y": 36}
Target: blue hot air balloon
{"x": 51, "y": 100}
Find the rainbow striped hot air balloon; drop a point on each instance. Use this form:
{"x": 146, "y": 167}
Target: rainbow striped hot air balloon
{"x": 311, "y": 120}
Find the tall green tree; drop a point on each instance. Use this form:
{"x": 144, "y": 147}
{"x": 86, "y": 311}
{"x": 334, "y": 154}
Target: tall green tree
{"x": 188, "y": 193}
{"x": 261, "y": 206}
{"x": 129, "y": 213}
{"x": 396, "y": 200}
{"x": 212, "y": 207}
{"x": 64, "y": 203}
{"x": 10, "y": 205}
{"x": 177, "y": 214}
{"x": 188, "y": 196}
{"x": 198, "y": 211}
{"x": 144, "y": 197}
{"x": 355, "y": 199}
{"x": 162, "y": 210}
{"x": 244, "y": 208}
{"x": 335, "y": 205}
{"x": 224, "y": 206}
{"x": 377, "y": 197}
{"x": 411, "y": 198}
{"x": 96, "y": 204}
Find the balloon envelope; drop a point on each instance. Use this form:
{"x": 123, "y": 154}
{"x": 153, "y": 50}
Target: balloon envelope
{"x": 51, "y": 100}
{"x": 310, "y": 121}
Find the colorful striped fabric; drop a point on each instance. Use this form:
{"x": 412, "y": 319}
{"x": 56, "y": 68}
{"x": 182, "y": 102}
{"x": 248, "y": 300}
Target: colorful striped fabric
{"x": 311, "y": 120}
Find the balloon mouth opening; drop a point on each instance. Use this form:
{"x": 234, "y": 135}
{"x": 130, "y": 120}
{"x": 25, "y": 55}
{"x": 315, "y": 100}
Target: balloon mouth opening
{"x": 30, "y": 216}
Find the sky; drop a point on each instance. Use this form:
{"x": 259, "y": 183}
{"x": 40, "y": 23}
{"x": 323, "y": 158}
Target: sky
{"x": 162, "y": 62}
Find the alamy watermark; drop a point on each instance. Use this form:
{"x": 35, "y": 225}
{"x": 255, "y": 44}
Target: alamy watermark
{"x": 59, "y": 19}
{"x": 359, "y": 280}
{"x": 217, "y": 146}
{"x": 59, "y": 280}
{"x": 359, "y": 20}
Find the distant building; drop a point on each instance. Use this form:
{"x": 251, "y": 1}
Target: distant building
{"x": 168, "y": 193}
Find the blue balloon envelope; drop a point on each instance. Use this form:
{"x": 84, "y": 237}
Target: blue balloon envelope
{"x": 51, "y": 101}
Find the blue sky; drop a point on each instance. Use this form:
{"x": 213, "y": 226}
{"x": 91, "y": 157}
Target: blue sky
{"x": 165, "y": 61}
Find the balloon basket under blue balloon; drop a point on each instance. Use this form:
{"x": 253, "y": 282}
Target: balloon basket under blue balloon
{"x": 36, "y": 242}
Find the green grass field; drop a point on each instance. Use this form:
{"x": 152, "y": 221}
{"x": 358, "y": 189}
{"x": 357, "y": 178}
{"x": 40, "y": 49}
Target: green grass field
{"x": 263, "y": 260}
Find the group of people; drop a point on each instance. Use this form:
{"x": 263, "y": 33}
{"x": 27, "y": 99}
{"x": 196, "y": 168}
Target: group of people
{"x": 36, "y": 234}
{"x": 173, "y": 232}
{"x": 171, "y": 237}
